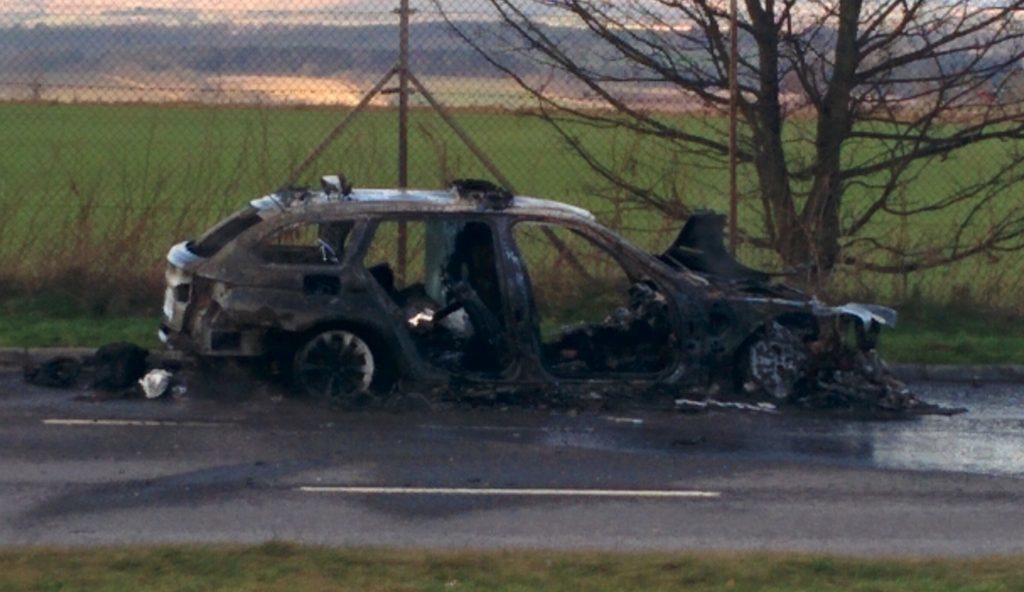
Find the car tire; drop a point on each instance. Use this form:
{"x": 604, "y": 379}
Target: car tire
{"x": 335, "y": 366}
{"x": 775, "y": 363}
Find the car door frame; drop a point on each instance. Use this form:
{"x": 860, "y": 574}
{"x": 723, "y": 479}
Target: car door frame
{"x": 622, "y": 254}
{"x": 513, "y": 373}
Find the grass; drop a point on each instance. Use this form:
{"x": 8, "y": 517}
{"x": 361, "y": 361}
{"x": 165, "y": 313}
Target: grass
{"x": 84, "y": 186}
{"x": 41, "y": 329}
{"x": 279, "y": 566}
{"x": 64, "y": 320}
{"x": 930, "y": 335}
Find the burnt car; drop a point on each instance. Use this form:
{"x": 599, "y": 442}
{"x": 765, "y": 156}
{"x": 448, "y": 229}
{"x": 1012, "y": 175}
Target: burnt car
{"x": 356, "y": 290}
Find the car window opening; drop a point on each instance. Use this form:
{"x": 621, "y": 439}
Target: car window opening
{"x": 307, "y": 244}
{"x": 448, "y": 290}
{"x": 595, "y": 322}
{"x": 225, "y": 231}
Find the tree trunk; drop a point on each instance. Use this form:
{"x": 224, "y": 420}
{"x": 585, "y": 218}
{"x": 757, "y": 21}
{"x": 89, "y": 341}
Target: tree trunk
{"x": 782, "y": 224}
{"x": 821, "y": 212}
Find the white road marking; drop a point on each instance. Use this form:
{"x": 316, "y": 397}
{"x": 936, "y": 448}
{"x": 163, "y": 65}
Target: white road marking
{"x": 641, "y": 493}
{"x": 132, "y": 422}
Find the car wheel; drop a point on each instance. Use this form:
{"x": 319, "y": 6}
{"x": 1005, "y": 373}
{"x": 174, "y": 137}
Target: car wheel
{"x": 336, "y": 366}
{"x": 775, "y": 363}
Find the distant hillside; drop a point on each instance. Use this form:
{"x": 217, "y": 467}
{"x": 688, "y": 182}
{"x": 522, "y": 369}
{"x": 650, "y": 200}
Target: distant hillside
{"x": 150, "y": 51}
{"x": 224, "y": 49}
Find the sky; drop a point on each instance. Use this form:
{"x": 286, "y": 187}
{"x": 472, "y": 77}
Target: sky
{"x": 95, "y": 6}
{"x": 72, "y": 7}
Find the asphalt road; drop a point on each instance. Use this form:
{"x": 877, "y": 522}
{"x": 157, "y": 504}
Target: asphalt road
{"x": 255, "y": 467}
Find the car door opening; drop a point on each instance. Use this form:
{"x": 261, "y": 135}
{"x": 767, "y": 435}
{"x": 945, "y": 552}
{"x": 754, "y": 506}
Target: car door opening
{"x": 599, "y": 322}
{"x": 448, "y": 291}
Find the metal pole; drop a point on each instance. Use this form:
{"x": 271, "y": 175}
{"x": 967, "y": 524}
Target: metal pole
{"x": 492, "y": 168}
{"x": 403, "y": 95}
{"x": 461, "y": 133}
{"x": 733, "y": 113}
{"x": 405, "y": 75}
{"x": 403, "y": 129}
{"x": 338, "y": 129}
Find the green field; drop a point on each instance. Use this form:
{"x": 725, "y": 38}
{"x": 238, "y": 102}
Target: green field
{"x": 93, "y": 196}
{"x": 278, "y": 566}
{"x": 87, "y": 186}
{"x": 98, "y": 192}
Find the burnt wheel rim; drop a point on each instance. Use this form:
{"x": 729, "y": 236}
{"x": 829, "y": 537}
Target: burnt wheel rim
{"x": 335, "y": 366}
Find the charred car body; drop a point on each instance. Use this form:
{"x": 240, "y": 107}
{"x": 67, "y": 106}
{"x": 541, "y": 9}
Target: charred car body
{"x": 354, "y": 290}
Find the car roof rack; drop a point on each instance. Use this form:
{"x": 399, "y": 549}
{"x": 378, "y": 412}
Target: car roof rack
{"x": 485, "y": 194}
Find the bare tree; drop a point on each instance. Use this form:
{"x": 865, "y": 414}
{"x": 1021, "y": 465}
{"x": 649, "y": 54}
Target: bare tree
{"x": 847, "y": 107}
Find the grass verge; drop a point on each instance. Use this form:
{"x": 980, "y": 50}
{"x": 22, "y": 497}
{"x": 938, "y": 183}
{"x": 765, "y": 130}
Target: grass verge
{"x": 277, "y": 566}
{"x": 927, "y": 337}
{"x": 58, "y": 321}
{"x": 931, "y": 335}
{"x": 40, "y": 330}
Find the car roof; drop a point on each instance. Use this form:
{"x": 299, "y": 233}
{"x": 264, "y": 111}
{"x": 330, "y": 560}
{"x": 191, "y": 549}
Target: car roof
{"x": 410, "y": 200}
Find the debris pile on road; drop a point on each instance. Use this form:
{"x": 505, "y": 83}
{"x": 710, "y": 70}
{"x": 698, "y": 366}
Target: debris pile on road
{"x": 117, "y": 366}
{"x": 827, "y": 372}
{"x": 58, "y": 372}
{"x": 120, "y": 370}
{"x": 855, "y": 379}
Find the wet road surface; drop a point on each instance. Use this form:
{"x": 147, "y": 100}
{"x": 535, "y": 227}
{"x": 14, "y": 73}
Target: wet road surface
{"x": 257, "y": 467}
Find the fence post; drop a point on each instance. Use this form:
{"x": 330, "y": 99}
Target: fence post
{"x": 403, "y": 130}
{"x": 733, "y": 112}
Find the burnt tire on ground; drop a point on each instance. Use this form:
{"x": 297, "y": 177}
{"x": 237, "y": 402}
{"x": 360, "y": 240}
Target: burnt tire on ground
{"x": 336, "y": 366}
{"x": 775, "y": 363}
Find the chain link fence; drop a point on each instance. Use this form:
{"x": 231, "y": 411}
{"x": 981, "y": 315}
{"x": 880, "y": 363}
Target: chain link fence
{"x": 131, "y": 126}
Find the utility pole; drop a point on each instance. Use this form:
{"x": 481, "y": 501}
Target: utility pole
{"x": 403, "y": 129}
{"x": 402, "y": 70}
{"x": 403, "y": 95}
{"x": 734, "y": 93}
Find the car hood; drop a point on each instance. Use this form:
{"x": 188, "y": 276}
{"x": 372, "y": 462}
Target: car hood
{"x": 700, "y": 248}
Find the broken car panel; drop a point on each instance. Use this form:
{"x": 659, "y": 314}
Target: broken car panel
{"x": 490, "y": 291}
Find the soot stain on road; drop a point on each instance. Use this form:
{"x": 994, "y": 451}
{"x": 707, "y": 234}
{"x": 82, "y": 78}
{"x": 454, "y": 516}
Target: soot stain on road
{"x": 179, "y": 489}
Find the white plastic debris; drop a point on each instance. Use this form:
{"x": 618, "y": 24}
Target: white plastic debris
{"x": 155, "y": 383}
{"x": 425, "y": 318}
{"x": 713, "y": 403}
